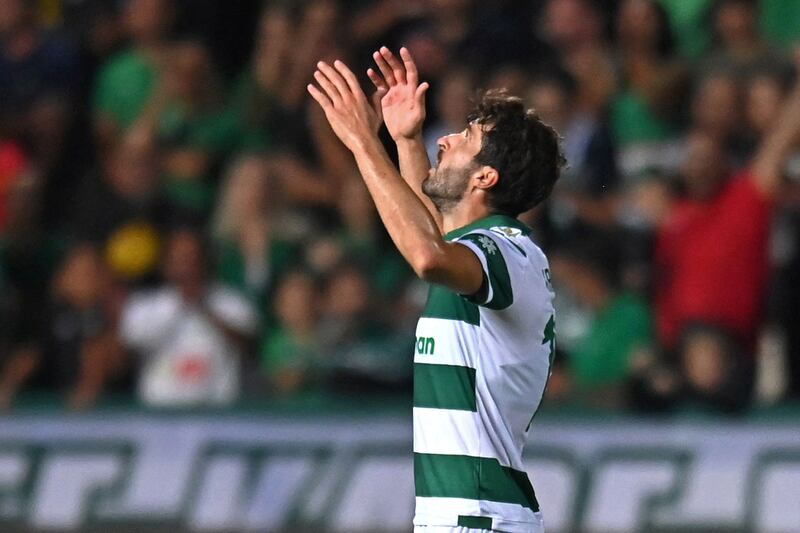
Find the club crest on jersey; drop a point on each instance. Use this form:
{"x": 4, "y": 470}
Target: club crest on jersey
{"x": 487, "y": 244}
{"x": 507, "y": 231}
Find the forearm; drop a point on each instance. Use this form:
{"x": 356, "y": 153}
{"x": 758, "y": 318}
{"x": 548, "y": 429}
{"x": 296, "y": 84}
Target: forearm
{"x": 410, "y": 224}
{"x": 414, "y": 168}
{"x": 770, "y": 158}
{"x": 22, "y": 365}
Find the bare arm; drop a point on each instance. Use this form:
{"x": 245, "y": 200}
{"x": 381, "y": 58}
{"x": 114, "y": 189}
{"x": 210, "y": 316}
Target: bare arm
{"x": 410, "y": 225}
{"x": 21, "y": 366}
{"x": 771, "y": 155}
{"x": 403, "y": 109}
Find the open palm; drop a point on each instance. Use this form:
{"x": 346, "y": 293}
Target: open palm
{"x": 402, "y": 97}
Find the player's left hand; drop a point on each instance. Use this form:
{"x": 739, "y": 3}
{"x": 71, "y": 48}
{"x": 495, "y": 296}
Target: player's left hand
{"x": 350, "y": 114}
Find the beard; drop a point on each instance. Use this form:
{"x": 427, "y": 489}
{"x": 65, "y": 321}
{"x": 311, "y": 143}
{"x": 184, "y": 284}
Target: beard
{"x": 446, "y": 187}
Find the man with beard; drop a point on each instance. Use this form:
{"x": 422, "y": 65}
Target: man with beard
{"x": 486, "y": 339}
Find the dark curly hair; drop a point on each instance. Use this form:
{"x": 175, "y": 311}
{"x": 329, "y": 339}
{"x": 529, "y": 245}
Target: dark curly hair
{"x": 524, "y": 150}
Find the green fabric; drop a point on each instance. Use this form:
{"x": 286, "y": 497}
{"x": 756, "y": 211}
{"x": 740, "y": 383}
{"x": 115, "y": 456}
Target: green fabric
{"x": 252, "y": 108}
{"x": 499, "y": 279}
{"x": 124, "y": 86}
{"x": 387, "y": 270}
{"x": 444, "y": 387}
{"x": 195, "y": 195}
{"x": 282, "y": 350}
{"x": 687, "y": 19}
{"x": 473, "y": 478}
{"x": 231, "y": 266}
{"x": 444, "y": 303}
{"x": 213, "y": 132}
{"x": 601, "y": 358}
{"x": 475, "y": 522}
{"x": 780, "y": 21}
{"x": 633, "y": 121}
{"x": 487, "y": 223}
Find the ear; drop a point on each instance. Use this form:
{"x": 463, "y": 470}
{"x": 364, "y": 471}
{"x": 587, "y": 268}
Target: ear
{"x": 485, "y": 178}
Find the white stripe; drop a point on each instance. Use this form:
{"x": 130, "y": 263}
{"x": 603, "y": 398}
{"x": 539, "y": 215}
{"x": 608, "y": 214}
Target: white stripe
{"x": 445, "y": 512}
{"x": 447, "y": 431}
{"x": 455, "y": 342}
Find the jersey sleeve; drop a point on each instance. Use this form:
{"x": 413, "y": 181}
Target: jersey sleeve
{"x": 495, "y": 292}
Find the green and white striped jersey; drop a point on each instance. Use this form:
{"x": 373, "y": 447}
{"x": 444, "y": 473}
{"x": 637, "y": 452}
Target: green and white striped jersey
{"x": 481, "y": 364}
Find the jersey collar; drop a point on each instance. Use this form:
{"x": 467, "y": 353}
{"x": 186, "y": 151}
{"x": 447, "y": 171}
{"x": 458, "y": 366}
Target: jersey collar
{"x": 489, "y": 222}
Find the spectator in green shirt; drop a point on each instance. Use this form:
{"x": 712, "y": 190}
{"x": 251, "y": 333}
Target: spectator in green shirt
{"x": 187, "y": 119}
{"x": 645, "y": 107}
{"x": 621, "y": 321}
{"x": 289, "y": 355}
{"x": 125, "y": 83}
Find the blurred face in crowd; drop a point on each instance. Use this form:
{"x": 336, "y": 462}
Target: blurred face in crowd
{"x": 453, "y": 99}
{"x": 447, "y": 182}
{"x": 509, "y": 77}
{"x": 189, "y": 76}
{"x": 705, "y": 361}
{"x": 347, "y": 294}
{"x": 133, "y": 169}
{"x": 185, "y": 261}
{"x": 715, "y": 108}
{"x": 82, "y": 277}
{"x": 13, "y": 15}
{"x": 148, "y": 21}
{"x": 23, "y": 202}
{"x": 551, "y": 103}
{"x": 248, "y": 187}
{"x": 295, "y": 302}
{"x": 586, "y": 285}
{"x": 571, "y": 22}
{"x": 650, "y": 199}
{"x": 704, "y": 168}
{"x": 736, "y": 22}
{"x": 764, "y": 98}
{"x": 638, "y": 24}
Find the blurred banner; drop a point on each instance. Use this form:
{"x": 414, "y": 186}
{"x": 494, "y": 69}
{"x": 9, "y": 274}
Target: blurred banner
{"x": 340, "y": 472}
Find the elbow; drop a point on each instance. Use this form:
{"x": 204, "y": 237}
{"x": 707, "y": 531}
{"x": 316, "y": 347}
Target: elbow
{"x": 426, "y": 265}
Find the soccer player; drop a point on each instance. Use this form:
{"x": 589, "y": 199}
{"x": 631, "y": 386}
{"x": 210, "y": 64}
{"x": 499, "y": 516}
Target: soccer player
{"x": 486, "y": 338}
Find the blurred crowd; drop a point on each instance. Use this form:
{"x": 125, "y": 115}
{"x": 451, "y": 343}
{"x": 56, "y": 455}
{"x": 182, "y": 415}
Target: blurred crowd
{"x": 178, "y": 223}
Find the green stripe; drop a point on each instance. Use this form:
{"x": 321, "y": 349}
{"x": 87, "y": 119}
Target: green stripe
{"x": 489, "y": 222}
{"x": 472, "y": 478}
{"x": 444, "y": 303}
{"x": 477, "y": 522}
{"x": 499, "y": 279}
{"x": 444, "y": 387}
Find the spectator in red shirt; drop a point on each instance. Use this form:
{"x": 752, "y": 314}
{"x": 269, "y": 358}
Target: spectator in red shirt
{"x": 712, "y": 251}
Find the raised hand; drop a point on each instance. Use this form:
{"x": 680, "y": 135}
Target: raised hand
{"x": 402, "y": 97}
{"x": 346, "y": 107}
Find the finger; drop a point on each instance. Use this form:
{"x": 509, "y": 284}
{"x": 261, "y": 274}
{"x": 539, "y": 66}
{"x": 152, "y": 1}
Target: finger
{"x": 317, "y": 95}
{"x": 412, "y": 74}
{"x": 349, "y": 77}
{"x": 335, "y": 78}
{"x": 330, "y": 89}
{"x": 419, "y": 94}
{"x": 376, "y": 102}
{"x": 385, "y": 69}
{"x": 377, "y": 80}
{"x": 396, "y": 66}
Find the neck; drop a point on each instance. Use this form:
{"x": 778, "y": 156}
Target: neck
{"x": 463, "y": 214}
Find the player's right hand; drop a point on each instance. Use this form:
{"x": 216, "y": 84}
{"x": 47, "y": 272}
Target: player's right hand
{"x": 402, "y": 97}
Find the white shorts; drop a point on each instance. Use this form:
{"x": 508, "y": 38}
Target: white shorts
{"x": 447, "y": 529}
{"x": 460, "y": 529}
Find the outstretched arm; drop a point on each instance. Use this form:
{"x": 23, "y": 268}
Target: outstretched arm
{"x": 403, "y": 108}
{"x": 771, "y": 155}
{"x": 410, "y": 225}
